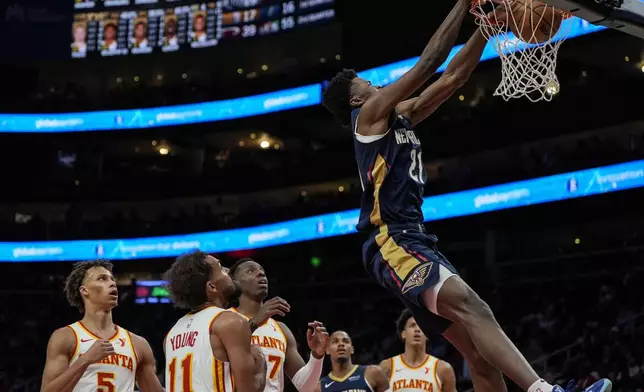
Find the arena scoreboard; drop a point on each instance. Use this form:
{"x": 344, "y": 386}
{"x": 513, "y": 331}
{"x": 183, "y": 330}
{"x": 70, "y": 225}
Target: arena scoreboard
{"x": 151, "y": 292}
{"x": 135, "y": 27}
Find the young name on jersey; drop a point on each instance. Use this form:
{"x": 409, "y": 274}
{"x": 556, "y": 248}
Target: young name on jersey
{"x": 190, "y": 363}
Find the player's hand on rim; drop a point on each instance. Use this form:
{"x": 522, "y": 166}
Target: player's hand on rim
{"x": 318, "y": 339}
{"x": 99, "y": 350}
{"x": 273, "y": 307}
{"x": 500, "y": 12}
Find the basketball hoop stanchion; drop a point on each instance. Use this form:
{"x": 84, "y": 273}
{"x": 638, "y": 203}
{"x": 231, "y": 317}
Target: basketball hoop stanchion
{"x": 527, "y": 68}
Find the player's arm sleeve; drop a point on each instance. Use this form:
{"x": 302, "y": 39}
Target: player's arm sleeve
{"x": 58, "y": 376}
{"x": 305, "y": 377}
{"x": 377, "y": 379}
{"x": 446, "y": 376}
{"x": 146, "y": 370}
{"x": 435, "y": 53}
{"x": 234, "y": 333}
{"x": 457, "y": 73}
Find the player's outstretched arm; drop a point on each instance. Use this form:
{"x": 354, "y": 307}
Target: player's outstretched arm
{"x": 58, "y": 376}
{"x": 378, "y": 107}
{"x": 249, "y": 370}
{"x": 385, "y": 365}
{"x": 146, "y": 369}
{"x": 457, "y": 73}
{"x": 305, "y": 376}
{"x": 445, "y": 373}
{"x": 376, "y": 378}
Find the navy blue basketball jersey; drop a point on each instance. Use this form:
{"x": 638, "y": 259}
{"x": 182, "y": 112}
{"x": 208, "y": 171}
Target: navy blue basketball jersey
{"x": 354, "y": 381}
{"x": 392, "y": 174}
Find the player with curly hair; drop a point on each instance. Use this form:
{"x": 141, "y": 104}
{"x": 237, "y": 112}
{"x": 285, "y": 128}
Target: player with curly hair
{"x": 209, "y": 349}
{"x": 94, "y": 353}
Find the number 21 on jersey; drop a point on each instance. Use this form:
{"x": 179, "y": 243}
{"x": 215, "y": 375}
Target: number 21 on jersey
{"x": 416, "y": 169}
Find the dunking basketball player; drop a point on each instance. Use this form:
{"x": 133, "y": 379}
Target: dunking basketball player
{"x": 274, "y": 337}
{"x": 209, "y": 349}
{"x": 347, "y": 377}
{"x": 414, "y": 370}
{"x": 399, "y": 254}
{"x": 94, "y": 353}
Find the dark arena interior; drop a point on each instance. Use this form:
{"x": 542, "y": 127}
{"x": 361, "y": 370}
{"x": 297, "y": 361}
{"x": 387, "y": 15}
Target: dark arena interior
{"x": 147, "y": 144}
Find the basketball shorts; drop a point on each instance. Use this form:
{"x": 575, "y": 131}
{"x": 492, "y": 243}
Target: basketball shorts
{"x": 405, "y": 260}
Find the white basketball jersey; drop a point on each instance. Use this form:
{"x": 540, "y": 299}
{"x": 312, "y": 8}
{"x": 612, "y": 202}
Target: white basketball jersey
{"x": 422, "y": 378}
{"x": 190, "y": 363}
{"x": 270, "y": 337}
{"x": 115, "y": 373}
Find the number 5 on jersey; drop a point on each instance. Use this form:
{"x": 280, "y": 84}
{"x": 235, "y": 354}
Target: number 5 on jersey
{"x": 105, "y": 382}
{"x": 416, "y": 171}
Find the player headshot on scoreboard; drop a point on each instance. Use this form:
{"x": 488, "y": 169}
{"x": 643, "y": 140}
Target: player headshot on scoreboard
{"x": 83, "y": 4}
{"x": 110, "y": 31}
{"x": 170, "y": 33}
{"x": 79, "y": 35}
{"x": 140, "y": 36}
{"x": 198, "y": 32}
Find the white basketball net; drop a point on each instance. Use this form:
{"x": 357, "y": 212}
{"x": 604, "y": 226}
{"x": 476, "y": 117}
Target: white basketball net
{"x": 527, "y": 70}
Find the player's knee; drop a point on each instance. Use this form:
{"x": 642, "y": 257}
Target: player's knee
{"x": 459, "y": 303}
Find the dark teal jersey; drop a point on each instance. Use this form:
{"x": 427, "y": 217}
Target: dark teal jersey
{"x": 392, "y": 174}
{"x": 355, "y": 381}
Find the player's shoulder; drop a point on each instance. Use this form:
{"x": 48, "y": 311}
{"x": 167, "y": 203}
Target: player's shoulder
{"x": 227, "y": 319}
{"x": 136, "y": 339}
{"x": 63, "y": 339}
{"x": 285, "y": 329}
{"x": 286, "y": 333}
{"x": 387, "y": 363}
{"x": 442, "y": 365}
{"x": 64, "y": 333}
{"x": 374, "y": 374}
{"x": 371, "y": 369}
{"x": 140, "y": 346}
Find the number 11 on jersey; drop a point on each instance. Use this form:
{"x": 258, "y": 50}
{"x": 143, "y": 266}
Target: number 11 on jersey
{"x": 186, "y": 380}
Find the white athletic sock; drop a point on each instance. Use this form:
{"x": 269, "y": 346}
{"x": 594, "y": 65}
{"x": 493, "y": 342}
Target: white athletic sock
{"x": 540, "y": 386}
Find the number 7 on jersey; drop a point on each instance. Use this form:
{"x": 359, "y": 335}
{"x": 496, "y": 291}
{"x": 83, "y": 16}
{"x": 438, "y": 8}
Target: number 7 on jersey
{"x": 275, "y": 361}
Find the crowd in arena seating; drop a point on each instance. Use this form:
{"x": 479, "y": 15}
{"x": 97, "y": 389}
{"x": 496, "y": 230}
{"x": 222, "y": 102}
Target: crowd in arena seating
{"x": 514, "y": 163}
